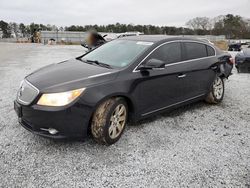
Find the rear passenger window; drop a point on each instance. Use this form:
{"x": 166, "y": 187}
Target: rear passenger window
{"x": 169, "y": 53}
{"x": 195, "y": 50}
{"x": 210, "y": 51}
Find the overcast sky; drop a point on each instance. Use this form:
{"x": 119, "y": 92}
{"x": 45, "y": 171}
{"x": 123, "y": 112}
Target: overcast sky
{"x": 82, "y": 12}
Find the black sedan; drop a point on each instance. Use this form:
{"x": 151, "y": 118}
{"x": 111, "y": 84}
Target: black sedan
{"x": 124, "y": 80}
{"x": 234, "y": 47}
{"x": 242, "y": 61}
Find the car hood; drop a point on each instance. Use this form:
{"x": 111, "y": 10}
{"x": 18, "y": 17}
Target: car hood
{"x": 68, "y": 75}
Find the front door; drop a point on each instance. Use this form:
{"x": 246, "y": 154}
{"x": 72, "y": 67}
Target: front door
{"x": 157, "y": 89}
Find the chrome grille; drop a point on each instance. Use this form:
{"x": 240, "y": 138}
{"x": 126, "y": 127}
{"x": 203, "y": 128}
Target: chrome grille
{"x": 27, "y": 93}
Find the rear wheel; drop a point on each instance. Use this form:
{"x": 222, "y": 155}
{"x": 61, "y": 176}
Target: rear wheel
{"x": 109, "y": 121}
{"x": 217, "y": 93}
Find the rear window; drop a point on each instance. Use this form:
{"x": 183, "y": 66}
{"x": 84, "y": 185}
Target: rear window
{"x": 195, "y": 50}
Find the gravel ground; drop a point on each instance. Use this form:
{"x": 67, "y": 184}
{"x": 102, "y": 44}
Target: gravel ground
{"x": 199, "y": 145}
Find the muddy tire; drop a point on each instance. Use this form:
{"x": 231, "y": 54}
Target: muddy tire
{"x": 109, "y": 121}
{"x": 217, "y": 92}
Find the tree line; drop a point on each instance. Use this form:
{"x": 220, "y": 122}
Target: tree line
{"x": 233, "y": 26}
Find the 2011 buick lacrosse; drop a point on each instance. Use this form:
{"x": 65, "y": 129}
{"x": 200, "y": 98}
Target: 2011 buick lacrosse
{"x": 124, "y": 80}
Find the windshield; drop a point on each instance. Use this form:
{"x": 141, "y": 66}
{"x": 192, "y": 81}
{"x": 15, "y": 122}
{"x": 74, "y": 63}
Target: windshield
{"x": 117, "y": 53}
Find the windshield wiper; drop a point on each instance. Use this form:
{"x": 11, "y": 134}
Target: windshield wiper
{"x": 98, "y": 63}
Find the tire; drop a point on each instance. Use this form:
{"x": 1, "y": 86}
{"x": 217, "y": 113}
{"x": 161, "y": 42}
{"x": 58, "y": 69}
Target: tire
{"x": 237, "y": 68}
{"x": 217, "y": 92}
{"x": 109, "y": 121}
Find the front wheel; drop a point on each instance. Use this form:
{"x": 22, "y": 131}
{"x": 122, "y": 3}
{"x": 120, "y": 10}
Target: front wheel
{"x": 109, "y": 121}
{"x": 217, "y": 93}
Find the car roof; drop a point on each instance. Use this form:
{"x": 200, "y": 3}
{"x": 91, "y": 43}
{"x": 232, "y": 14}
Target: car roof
{"x": 160, "y": 38}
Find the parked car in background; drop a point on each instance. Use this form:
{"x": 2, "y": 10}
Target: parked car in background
{"x": 242, "y": 61}
{"x": 234, "y": 47}
{"x": 128, "y": 34}
{"x": 127, "y": 79}
{"x": 244, "y": 45}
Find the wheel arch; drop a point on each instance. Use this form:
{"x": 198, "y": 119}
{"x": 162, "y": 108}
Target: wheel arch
{"x": 127, "y": 98}
{"x": 129, "y": 101}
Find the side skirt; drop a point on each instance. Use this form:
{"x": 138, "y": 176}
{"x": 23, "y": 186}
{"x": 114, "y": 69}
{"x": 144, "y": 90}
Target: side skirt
{"x": 198, "y": 97}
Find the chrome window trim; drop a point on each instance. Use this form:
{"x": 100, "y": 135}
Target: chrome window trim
{"x": 21, "y": 101}
{"x": 180, "y": 62}
{"x": 163, "y": 108}
{"x": 186, "y": 61}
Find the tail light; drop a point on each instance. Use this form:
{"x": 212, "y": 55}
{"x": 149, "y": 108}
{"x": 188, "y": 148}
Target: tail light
{"x": 231, "y": 61}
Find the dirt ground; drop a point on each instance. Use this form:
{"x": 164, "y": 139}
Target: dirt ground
{"x": 198, "y": 145}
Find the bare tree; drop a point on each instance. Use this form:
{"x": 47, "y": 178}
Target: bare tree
{"x": 203, "y": 23}
{"x": 14, "y": 27}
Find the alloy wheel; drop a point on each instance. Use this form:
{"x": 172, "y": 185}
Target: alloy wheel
{"x": 117, "y": 121}
{"x": 218, "y": 88}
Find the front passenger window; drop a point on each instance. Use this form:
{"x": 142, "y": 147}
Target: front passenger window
{"x": 169, "y": 53}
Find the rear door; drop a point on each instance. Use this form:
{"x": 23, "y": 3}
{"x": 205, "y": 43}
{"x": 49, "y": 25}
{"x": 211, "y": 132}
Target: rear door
{"x": 198, "y": 58}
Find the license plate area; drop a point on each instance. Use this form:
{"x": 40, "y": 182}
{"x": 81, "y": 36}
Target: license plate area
{"x": 18, "y": 109}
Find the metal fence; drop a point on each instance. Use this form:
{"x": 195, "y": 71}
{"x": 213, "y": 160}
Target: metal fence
{"x": 62, "y": 36}
{"x": 238, "y": 41}
{"x": 68, "y": 36}
{"x": 15, "y": 40}
{"x": 8, "y": 40}
{"x": 79, "y": 37}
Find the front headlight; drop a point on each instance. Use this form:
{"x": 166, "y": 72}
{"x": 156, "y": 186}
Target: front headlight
{"x": 59, "y": 99}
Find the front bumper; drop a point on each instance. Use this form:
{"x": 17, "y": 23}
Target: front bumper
{"x": 71, "y": 122}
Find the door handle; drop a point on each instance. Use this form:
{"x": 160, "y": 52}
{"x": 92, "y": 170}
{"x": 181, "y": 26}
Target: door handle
{"x": 182, "y": 75}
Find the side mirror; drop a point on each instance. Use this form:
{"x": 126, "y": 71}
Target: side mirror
{"x": 152, "y": 64}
